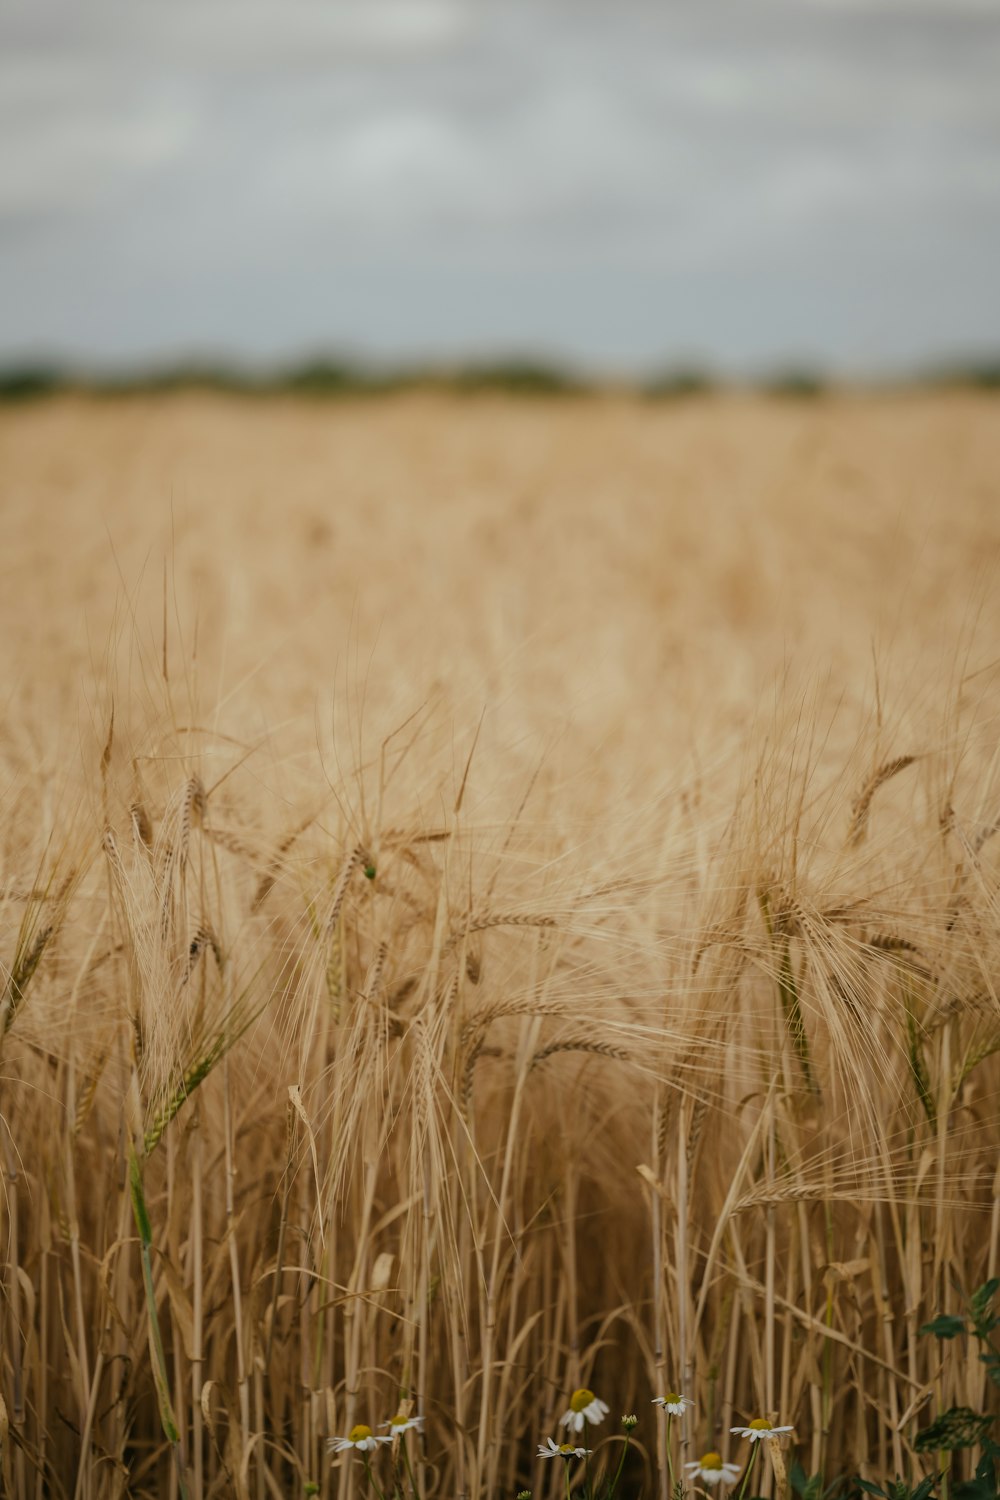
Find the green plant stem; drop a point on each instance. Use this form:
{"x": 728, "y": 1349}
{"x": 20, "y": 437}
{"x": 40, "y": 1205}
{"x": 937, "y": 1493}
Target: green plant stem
{"x": 409, "y": 1467}
{"x": 746, "y": 1476}
{"x": 371, "y": 1477}
{"x": 167, "y": 1419}
{"x": 618, "y": 1471}
{"x": 566, "y": 1477}
{"x": 670, "y": 1453}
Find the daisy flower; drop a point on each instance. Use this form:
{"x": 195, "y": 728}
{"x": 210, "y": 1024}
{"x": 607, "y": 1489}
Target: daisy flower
{"x": 673, "y": 1404}
{"x": 759, "y": 1428}
{"x": 401, "y": 1424}
{"x": 359, "y": 1436}
{"x": 710, "y": 1469}
{"x": 584, "y": 1407}
{"x": 550, "y": 1449}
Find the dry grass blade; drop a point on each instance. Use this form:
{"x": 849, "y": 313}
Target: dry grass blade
{"x": 26, "y": 961}
{"x": 578, "y": 1044}
{"x": 861, "y": 806}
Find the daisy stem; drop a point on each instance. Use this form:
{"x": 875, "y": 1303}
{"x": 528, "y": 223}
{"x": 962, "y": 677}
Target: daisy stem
{"x": 746, "y": 1477}
{"x": 670, "y": 1456}
{"x": 409, "y": 1467}
{"x": 371, "y": 1477}
{"x": 618, "y": 1471}
{"x": 566, "y": 1476}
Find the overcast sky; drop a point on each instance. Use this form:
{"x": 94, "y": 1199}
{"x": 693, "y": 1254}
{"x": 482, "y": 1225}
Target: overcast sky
{"x": 743, "y": 182}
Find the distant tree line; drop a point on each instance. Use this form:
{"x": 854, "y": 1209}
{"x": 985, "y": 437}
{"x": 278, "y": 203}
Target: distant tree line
{"x": 528, "y": 377}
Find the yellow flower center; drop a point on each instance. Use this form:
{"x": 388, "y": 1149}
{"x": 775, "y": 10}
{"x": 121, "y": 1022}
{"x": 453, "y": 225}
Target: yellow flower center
{"x": 760, "y": 1424}
{"x": 359, "y": 1433}
{"x": 671, "y": 1398}
{"x": 567, "y": 1448}
{"x": 710, "y": 1461}
{"x": 580, "y": 1400}
{"x": 399, "y": 1420}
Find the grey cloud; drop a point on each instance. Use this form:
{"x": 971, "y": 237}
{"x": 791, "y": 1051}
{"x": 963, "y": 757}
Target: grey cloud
{"x": 619, "y": 183}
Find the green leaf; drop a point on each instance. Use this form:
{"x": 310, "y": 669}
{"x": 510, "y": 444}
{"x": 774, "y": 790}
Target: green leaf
{"x": 976, "y": 1489}
{"x": 947, "y": 1326}
{"x": 983, "y": 1295}
{"x": 980, "y": 1305}
{"x": 808, "y": 1486}
{"x": 139, "y": 1201}
{"x": 958, "y": 1427}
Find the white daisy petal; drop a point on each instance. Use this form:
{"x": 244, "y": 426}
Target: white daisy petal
{"x": 758, "y": 1429}
{"x": 711, "y": 1470}
{"x": 400, "y": 1425}
{"x": 550, "y": 1449}
{"x": 360, "y": 1437}
{"x": 673, "y": 1404}
{"x": 584, "y": 1407}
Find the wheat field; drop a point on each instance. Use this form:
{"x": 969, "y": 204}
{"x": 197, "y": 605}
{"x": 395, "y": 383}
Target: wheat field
{"x": 496, "y": 897}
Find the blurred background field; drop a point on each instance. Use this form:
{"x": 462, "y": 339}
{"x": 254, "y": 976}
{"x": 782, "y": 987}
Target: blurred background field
{"x": 591, "y": 567}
